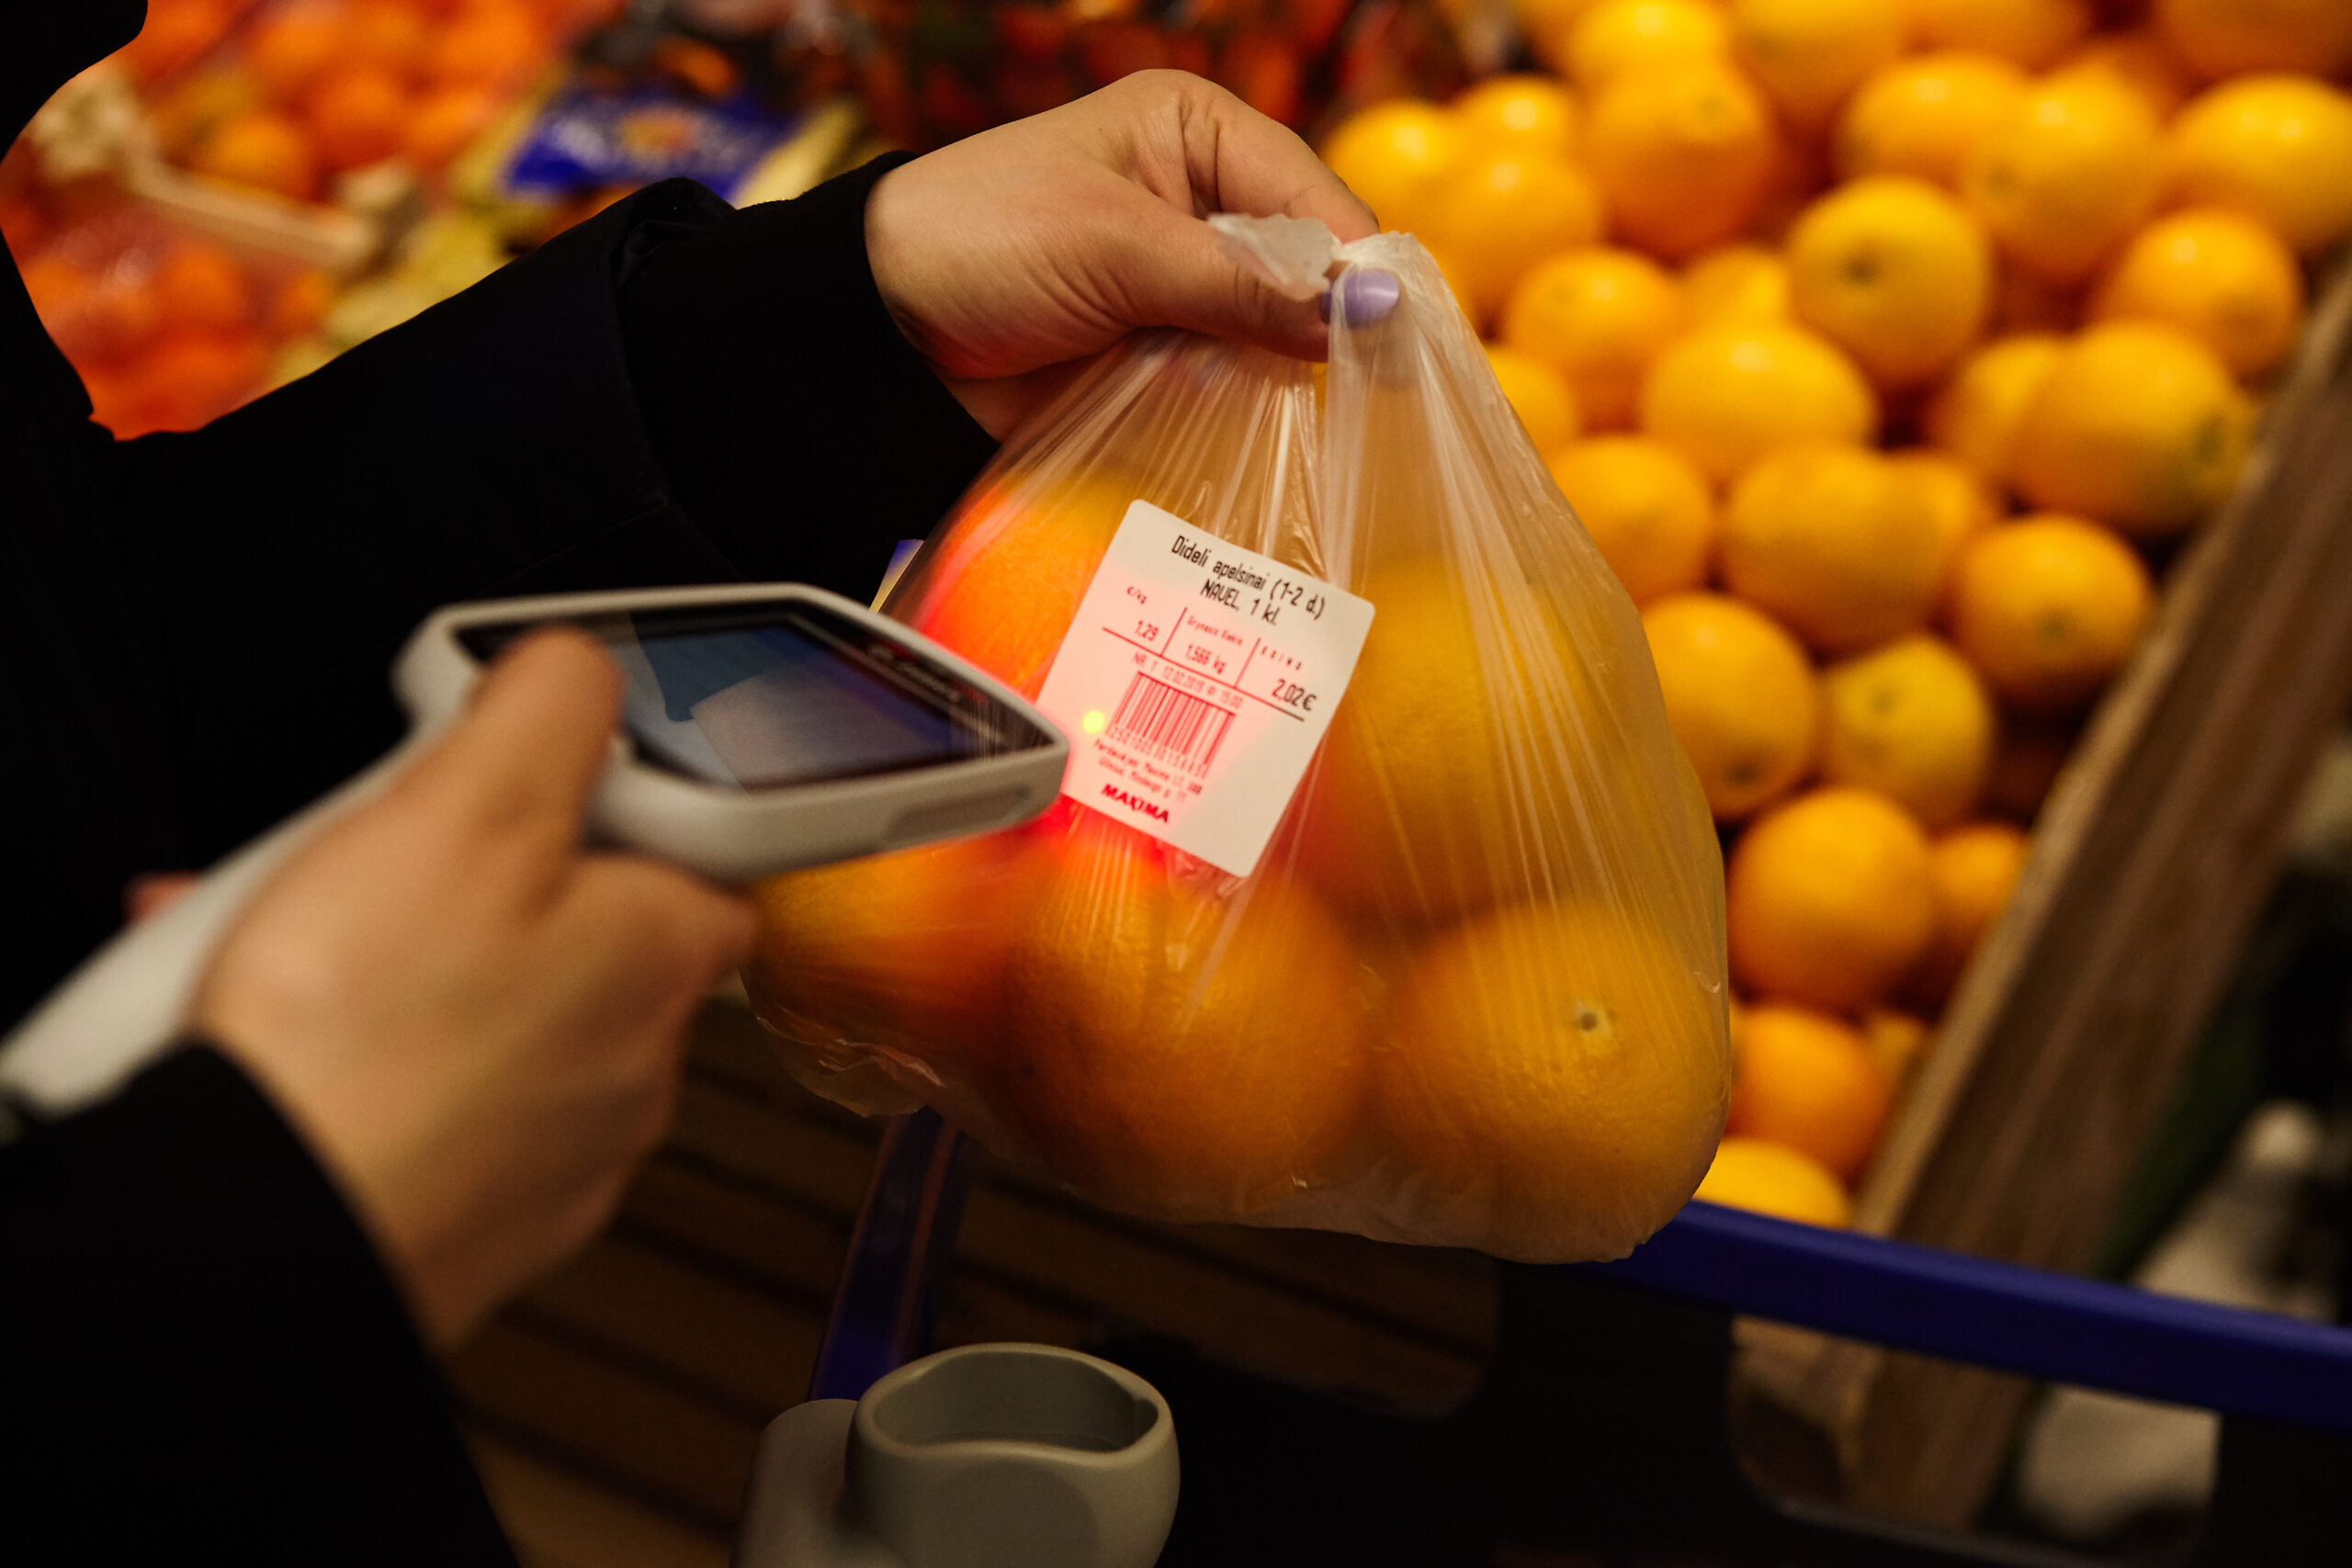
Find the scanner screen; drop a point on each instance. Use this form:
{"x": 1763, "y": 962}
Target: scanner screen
{"x": 765, "y": 696}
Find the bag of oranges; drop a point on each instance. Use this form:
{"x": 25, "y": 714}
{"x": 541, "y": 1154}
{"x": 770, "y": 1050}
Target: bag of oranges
{"x": 1379, "y": 898}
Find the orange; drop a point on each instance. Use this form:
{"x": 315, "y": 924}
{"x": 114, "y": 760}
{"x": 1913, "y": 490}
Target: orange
{"x": 356, "y": 116}
{"x": 2138, "y": 426}
{"x": 1741, "y": 695}
{"x": 2033, "y": 33}
{"x": 1975, "y": 415}
{"x": 1833, "y": 541}
{"x": 1009, "y": 576}
{"x": 1976, "y": 867}
{"x": 1920, "y": 115}
{"x": 1808, "y": 1082}
{"x": 1556, "y": 1075}
{"x": 2048, "y": 608}
{"x": 2027, "y": 762}
{"x": 1646, "y": 507}
{"x": 2222, "y": 277}
{"x": 2278, "y": 149}
{"x": 2231, "y": 38}
{"x": 1750, "y": 1173}
{"x": 1896, "y": 1040}
{"x": 1912, "y": 721}
{"x": 1830, "y": 899}
{"x": 1955, "y": 498}
{"x": 444, "y": 121}
{"x": 905, "y": 951}
{"x": 288, "y": 47}
{"x": 1393, "y": 155}
{"x": 1418, "y": 806}
{"x": 93, "y": 320}
{"x": 176, "y": 33}
{"x": 1181, "y": 1057}
{"x": 1893, "y": 270}
{"x": 301, "y": 304}
{"x": 1518, "y": 110}
{"x": 1811, "y": 54}
{"x": 1617, "y": 38}
{"x": 260, "y": 147}
{"x": 1736, "y": 285}
{"x": 1684, "y": 155}
{"x": 203, "y": 287}
{"x": 1546, "y": 25}
{"x": 1728, "y": 396}
{"x": 1498, "y": 214}
{"x": 1599, "y": 317}
{"x": 1538, "y": 395}
{"x": 492, "y": 45}
{"x": 189, "y": 379}
{"x": 386, "y": 33}
{"x": 2140, "y": 60}
{"x": 2067, "y": 174}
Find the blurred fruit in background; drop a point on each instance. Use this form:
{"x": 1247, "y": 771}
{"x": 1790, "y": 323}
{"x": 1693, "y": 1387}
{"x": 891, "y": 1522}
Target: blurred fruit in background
{"x": 1750, "y": 1173}
{"x": 2048, "y": 608}
{"x": 1597, "y": 316}
{"x": 1809, "y": 54}
{"x": 2033, "y": 33}
{"x": 2278, "y": 149}
{"x": 1806, "y": 1080}
{"x": 1726, "y": 396}
{"x": 1974, "y": 867}
{"x": 2226, "y": 38}
{"x": 1538, "y": 395}
{"x": 1646, "y": 507}
{"x": 1834, "y": 542}
{"x": 1923, "y": 116}
{"x": 1831, "y": 901}
{"x": 2221, "y": 278}
{"x": 1684, "y": 154}
{"x": 1740, "y": 694}
{"x": 1893, "y": 270}
{"x": 1736, "y": 285}
{"x": 2138, "y": 426}
{"x": 2063, "y": 176}
{"x": 1913, "y": 721}
{"x": 1976, "y": 414}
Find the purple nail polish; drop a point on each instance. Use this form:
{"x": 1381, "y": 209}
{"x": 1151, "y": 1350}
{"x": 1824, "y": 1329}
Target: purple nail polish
{"x": 1366, "y": 295}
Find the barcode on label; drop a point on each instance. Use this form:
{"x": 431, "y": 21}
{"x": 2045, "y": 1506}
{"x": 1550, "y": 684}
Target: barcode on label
{"x": 1180, "y": 729}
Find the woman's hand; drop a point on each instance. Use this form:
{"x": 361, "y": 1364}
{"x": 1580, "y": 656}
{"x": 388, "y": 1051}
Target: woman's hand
{"x": 476, "y": 1025}
{"x": 1042, "y": 242}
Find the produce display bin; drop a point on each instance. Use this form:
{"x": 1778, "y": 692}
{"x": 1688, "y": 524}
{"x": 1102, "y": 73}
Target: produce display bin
{"x": 2149, "y": 864}
{"x": 1600, "y": 1426}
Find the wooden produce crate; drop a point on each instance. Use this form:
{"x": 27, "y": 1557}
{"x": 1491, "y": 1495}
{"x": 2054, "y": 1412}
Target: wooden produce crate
{"x": 2149, "y": 863}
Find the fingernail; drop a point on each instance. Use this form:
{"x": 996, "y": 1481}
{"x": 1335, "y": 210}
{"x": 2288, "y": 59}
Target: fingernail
{"x": 1364, "y": 295}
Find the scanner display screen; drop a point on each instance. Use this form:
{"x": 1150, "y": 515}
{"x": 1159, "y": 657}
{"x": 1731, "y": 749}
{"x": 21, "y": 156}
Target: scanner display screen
{"x": 765, "y": 696}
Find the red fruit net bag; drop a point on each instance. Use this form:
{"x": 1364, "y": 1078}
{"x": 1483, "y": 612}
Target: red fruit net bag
{"x": 1379, "y": 898}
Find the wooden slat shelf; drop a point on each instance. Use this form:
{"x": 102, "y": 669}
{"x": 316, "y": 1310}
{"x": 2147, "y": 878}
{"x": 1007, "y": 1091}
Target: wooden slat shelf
{"x": 616, "y": 1406}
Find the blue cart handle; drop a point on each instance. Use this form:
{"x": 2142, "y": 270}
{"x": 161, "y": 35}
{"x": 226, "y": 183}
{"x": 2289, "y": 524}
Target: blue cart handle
{"x": 2002, "y": 1315}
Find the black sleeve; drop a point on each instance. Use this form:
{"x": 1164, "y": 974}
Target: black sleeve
{"x": 206, "y": 1362}
{"x": 671, "y": 392}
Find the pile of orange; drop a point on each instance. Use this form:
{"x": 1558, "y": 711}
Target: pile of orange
{"x": 310, "y": 89}
{"x": 1875, "y": 342}
{"x": 167, "y": 331}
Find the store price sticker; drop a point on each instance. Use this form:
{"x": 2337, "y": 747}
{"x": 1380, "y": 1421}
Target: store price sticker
{"x": 1195, "y": 683}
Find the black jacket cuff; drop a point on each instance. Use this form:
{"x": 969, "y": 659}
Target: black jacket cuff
{"x": 205, "y": 1359}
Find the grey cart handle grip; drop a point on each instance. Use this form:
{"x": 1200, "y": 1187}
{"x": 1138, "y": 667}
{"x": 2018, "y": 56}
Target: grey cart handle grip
{"x": 989, "y": 1456}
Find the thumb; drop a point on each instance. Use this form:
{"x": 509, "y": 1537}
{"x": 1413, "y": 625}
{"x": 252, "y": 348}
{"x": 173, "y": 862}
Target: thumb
{"x": 1178, "y": 275}
{"x": 533, "y": 745}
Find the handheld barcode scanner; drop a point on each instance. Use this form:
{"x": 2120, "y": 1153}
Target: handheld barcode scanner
{"x": 766, "y": 726}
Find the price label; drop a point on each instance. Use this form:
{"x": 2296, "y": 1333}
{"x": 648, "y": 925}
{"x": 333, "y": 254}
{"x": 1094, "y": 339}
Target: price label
{"x": 1195, "y": 683}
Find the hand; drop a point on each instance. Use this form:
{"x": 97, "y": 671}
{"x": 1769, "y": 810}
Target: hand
{"x": 1044, "y": 241}
{"x": 477, "y": 1026}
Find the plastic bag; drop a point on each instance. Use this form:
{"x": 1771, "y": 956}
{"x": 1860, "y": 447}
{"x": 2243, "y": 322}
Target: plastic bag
{"x": 1392, "y": 910}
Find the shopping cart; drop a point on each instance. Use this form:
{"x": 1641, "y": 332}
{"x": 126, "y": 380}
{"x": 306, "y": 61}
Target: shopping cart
{"x": 1600, "y": 1432}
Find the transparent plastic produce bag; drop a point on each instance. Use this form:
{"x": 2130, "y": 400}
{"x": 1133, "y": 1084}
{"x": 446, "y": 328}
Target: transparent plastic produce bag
{"x": 1379, "y": 898}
